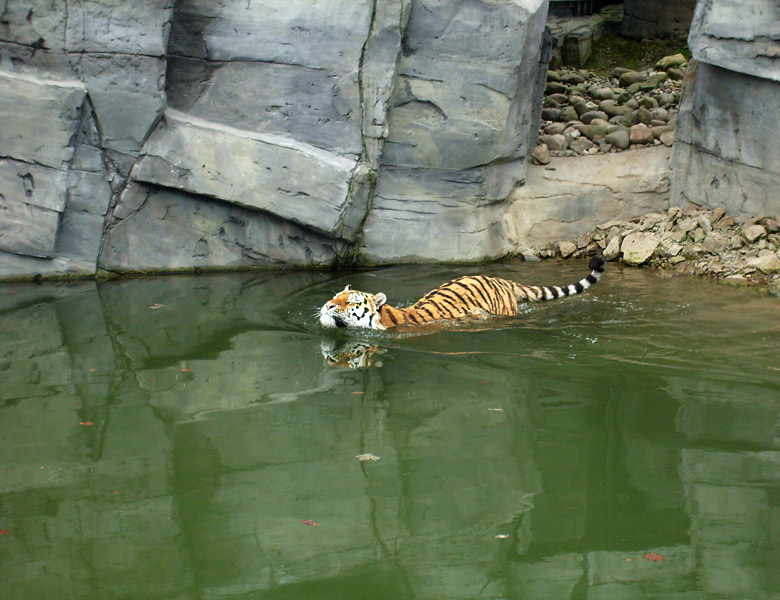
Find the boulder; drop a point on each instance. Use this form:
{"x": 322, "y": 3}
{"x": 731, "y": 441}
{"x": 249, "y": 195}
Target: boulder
{"x": 768, "y": 263}
{"x": 638, "y": 247}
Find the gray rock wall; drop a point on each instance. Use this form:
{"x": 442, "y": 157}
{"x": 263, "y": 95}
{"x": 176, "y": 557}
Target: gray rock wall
{"x": 656, "y": 18}
{"x": 725, "y": 152}
{"x": 184, "y": 134}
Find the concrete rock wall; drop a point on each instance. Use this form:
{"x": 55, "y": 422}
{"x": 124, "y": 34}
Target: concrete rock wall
{"x": 183, "y": 134}
{"x": 726, "y": 153}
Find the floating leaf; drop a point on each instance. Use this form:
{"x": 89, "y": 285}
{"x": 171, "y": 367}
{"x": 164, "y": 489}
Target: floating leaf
{"x": 156, "y": 306}
{"x": 654, "y": 557}
{"x": 502, "y": 536}
{"x": 186, "y": 370}
{"x": 362, "y": 457}
{"x": 358, "y": 393}
{"x": 309, "y": 522}
{"x": 496, "y": 409}
{"x": 4, "y": 532}
{"x": 86, "y": 423}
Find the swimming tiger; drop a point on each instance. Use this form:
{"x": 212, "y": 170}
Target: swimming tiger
{"x": 470, "y": 296}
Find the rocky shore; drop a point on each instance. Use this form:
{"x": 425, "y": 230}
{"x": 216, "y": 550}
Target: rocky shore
{"x": 584, "y": 113}
{"x": 735, "y": 250}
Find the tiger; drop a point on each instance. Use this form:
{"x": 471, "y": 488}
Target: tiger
{"x": 470, "y": 296}
{"x": 353, "y": 355}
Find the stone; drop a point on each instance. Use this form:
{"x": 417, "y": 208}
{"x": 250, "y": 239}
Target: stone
{"x": 572, "y": 78}
{"x": 555, "y": 87}
{"x": 694, "y": 251}
{"x": 631, "y": 77}
{"x": 716, "y": 243}
{"x": 551, "y": 114}
{"x": 555, "y": 128}
{"x": 669, "y": 248}
{"x": 768, "y": 263}
{"x": 568, "y": 113}
{"x": 604, "y": 94}
{"x": 581, "y": 145}
{"x": 645, "y": 116}
{"x": 567, "y": 248}
{"x": 592, "y": 114}
{"x": 619, "y": 139}
{"x": 628, "y": 120}
{"x": 558, "y": 98}
{"x": 660, "y": 129}
{"x": 612, "y": 109}
{"x": 653, "y": 81}
{"x": 753, "y": 232}
{"x": 667, "y": 138}
{"x": 541, "y": 154}
{"x": 612, "y": 251}
{"x": 597, "y": 129}
{"x": 641, "y": 134}
{"x": 676, "y": 74}
{"x": 671, "y": 61}
{"x": 555, "y": 142}
{"x": 660, "y": 114}
{"x": 637, "y": 248}
{"x": 649, "y": 103}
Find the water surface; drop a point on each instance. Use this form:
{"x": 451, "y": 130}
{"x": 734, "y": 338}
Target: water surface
{"x": 187, "y": 437}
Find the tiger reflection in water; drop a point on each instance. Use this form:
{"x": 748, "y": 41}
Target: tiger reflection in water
{"x": 351, "y": 355}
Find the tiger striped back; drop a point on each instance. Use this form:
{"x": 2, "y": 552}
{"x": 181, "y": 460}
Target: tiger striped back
{"x": 470, "y": 296}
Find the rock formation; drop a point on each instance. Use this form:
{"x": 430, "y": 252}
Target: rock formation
{"x": 184, "y": 135}
{"x": 725, "y": 153}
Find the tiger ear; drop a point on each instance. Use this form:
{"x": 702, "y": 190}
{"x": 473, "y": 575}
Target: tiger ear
{"x": 347, "y": 289}
{"x": 379, "y": 299}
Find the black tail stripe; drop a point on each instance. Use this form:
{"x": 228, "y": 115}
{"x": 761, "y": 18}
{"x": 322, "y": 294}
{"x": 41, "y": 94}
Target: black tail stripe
{"x": 591, "y": 279}
{"x": 553, "y": 291}
{"x": 579, "y": 288}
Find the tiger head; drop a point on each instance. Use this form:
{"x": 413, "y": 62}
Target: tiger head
{"x": 351, "y": 308}
{"x": 352, "y": 355}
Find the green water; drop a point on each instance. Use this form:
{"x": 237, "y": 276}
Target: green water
{"x": 185, "y": 437}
